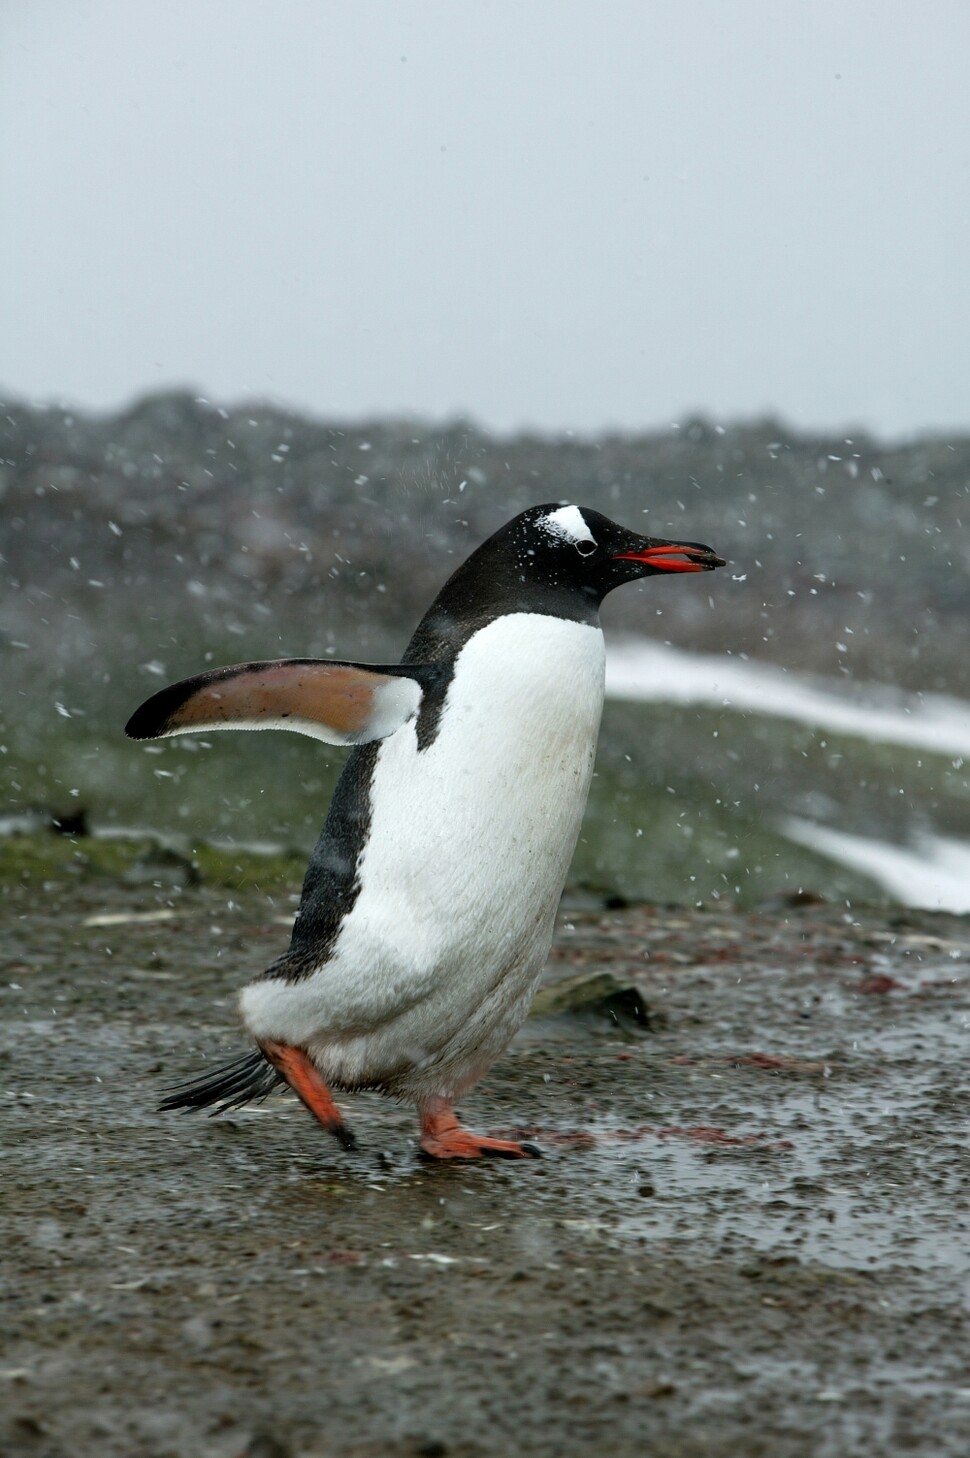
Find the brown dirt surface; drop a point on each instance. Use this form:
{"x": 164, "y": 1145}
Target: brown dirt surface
{"x": 749, "y": 1235}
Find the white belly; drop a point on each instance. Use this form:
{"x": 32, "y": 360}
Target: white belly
{"x": 469, "y": 845}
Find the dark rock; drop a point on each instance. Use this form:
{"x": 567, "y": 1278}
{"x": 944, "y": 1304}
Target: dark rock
{"x": 599, "y": 994}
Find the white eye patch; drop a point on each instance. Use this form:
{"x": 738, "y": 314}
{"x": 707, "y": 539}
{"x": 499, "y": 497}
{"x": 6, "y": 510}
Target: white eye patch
{"x": 569, "y": 525}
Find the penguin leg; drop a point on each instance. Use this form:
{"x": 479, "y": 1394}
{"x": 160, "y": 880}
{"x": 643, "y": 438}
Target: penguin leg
{"x": 442, "y": 1137}
{"x": 301, "y": 1074}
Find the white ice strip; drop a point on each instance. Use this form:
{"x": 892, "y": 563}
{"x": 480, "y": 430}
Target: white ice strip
{"x": 652, "y": 673}
{"x": 934, "y": 873}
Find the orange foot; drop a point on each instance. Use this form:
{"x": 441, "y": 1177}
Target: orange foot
{"x": 442, "y": 1137}
{"x": 305, "y": 1081}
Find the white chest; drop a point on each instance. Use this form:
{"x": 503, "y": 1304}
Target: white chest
{"x": 466, "y": 854}
{"x": 487, "y": 816}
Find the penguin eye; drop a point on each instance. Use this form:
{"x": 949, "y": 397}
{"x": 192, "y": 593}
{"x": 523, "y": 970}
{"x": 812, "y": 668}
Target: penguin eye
{"x": 587, "y": 548}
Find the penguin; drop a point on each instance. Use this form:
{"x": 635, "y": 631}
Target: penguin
{"x": 428, "y": 906}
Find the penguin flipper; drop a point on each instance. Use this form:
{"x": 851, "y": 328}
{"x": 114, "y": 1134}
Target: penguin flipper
{"x": 340, "y": 703}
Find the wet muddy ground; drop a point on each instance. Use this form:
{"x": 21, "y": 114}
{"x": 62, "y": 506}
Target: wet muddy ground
{"x": 749, "y": 1235}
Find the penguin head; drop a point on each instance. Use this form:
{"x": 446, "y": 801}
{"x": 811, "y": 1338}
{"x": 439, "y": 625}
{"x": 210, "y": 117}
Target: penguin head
{"x": 554, "y": 559}
{"x": 577, "y": 547}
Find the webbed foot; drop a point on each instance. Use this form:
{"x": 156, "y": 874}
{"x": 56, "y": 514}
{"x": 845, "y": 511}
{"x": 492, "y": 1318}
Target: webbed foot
{"x": 442, "y": 1137}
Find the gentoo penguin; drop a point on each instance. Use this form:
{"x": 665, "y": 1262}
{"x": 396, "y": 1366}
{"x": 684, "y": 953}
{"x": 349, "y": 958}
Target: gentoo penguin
{"x": 428, "y": 906}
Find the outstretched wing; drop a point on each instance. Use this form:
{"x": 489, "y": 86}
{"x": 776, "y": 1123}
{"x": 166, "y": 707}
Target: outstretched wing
{"x": 340, "y": 703}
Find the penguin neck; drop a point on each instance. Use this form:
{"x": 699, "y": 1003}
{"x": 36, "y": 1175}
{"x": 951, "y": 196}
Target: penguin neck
{"x": 472, "y": 599}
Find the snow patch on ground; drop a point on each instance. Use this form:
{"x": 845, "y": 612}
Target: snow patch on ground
{"x": 933, "y": 873}
{"x": 652, "y": 673}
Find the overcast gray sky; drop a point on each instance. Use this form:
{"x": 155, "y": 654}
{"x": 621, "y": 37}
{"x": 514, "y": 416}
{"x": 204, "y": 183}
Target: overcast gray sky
{"x": 556, "y": 213}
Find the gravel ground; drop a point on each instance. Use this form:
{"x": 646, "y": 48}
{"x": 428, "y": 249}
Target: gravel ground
{"x": 750, "y": 1232}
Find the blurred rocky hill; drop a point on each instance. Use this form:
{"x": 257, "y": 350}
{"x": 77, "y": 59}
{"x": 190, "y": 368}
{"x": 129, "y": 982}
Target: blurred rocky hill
{"x": 179, "y": 526}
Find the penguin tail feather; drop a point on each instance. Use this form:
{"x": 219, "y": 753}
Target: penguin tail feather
{"x": 246, "y": 1080}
